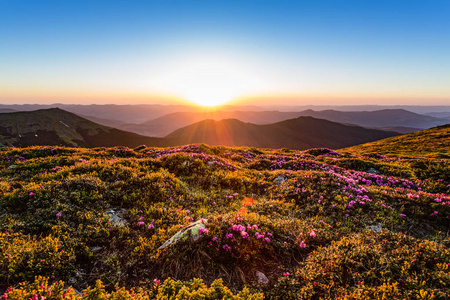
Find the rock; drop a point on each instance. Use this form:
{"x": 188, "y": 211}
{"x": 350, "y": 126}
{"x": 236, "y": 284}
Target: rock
{"x": 280, "y": 179}
{"x": 376, "y": 228}
{"x": 373, "y": 171}
{"x": 262, "y": 278}
{"x": 77, "y": 292}
{"x": 95, "y": 249}
{"x": 116, "y": 218}
{"x": 191, "y": 232}
{"x": 12, "y": 167}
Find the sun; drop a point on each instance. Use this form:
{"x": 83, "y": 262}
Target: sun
{"x": 207, "y": 81}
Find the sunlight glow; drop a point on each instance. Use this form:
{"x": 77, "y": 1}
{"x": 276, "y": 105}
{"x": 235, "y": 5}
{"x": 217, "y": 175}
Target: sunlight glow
{"x": 209, "y": 81}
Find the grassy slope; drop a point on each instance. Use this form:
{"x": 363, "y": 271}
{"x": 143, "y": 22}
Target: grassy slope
{"x": 309, "y": 235}
{"x": 434, "y": 142}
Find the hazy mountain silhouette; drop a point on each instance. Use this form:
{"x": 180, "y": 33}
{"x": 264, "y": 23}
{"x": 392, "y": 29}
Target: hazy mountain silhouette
{"x": 379, "y": 118}
{"x": 6, "y": 110}
{"x": 58, "y": 127}
{"x": 300, "y": 133}
{"x": 398, "y": 120}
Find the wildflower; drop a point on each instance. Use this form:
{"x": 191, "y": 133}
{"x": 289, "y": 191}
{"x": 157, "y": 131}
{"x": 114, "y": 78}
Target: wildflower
{"x": 435, "y": 212}
{"x": 302, "y": 244}
{"x": 203, "y": 231}
{"x": 285, "y": 274}
{"x": 402, "y": 215}
{"x": 58, "y": 215}
{"x": 141, "y": 218}
{"x": 150, "y": 226}
{"x": 267, "y": 240}
{"x": 312, "y": 234}
{"x": 243, "y": 211}
{"x": 156, "y": 281}
{"x": 31, "y": 193}
{"x": 140, "y": 223}
{"x": 214, "y": 239}
{"x": 247, "y": 201}
{"x": 229, "y": 235}
{"x": 244, "y": 234}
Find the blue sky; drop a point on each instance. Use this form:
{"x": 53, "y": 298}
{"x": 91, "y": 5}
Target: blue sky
{"x": 339, "y": 52}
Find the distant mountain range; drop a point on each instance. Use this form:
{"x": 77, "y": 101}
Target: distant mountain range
{"x": 59, "y": 127}
{"x": 398, "y": 120}
{"x": 160, "y": 120}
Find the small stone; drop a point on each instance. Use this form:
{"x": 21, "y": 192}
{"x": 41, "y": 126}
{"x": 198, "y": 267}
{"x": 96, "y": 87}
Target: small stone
{"x": 262, "y": 278}
{"x": 373, "y": 171}
{"x": 280, "y": 179}
{"x": 376, "y": 228}
{"x": 116, "y": 218}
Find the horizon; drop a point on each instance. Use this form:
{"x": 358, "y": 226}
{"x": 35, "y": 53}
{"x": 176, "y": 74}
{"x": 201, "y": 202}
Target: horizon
{"x": 262, "y": 53}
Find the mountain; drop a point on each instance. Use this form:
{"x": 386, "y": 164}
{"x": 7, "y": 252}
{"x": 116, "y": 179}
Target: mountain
{"x": 388, "y": 119}
{"x": 299, "y": 133}
{"x": 434, "y": 142}
{"x": 379, "y": 118}
{"x": 6, "y": 110}
{"x": 166, "y": 124}
{"x": 58, "y": 127}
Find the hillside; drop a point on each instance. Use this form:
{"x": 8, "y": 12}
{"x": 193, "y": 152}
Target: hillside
{"x": 300, "y": 133}
{"x": 58, "y": 127}
{"x": 432, "y": 142}
{"x": 205, "y": 222}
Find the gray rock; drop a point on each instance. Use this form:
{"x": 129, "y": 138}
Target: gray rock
{"x": 280, "y": 179}
{"x": 262, "y": 278}
{"x": 191, "y": 232}
{"x": 376, "y": 228}
{"x": 12, "y": 167}
{"x": 116, "y": 218}
{"x": 77, "y": 292}
{"x": 373, "y": 171}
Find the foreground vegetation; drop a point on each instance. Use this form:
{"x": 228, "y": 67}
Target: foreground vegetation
{"x": 278, "y": 224}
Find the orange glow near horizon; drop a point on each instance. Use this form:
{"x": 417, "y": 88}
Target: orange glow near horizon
{"x": 273, "y": 99}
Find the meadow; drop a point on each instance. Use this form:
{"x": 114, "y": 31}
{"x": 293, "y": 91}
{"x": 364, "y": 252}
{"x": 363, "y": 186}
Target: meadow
{"x": 81, "y": 223}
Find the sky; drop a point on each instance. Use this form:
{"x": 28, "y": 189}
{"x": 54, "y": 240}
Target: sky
{"x": 216, "y": 51}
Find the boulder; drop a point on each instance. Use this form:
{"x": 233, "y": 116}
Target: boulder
{"x": 189, "y": 233}
{"x": 280, "y": 179}
{"x": 376, "y": 228}
{"x": 262, "y": 278}
{"x": 373, "y": 171}
{"x": 116, "y": 218}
